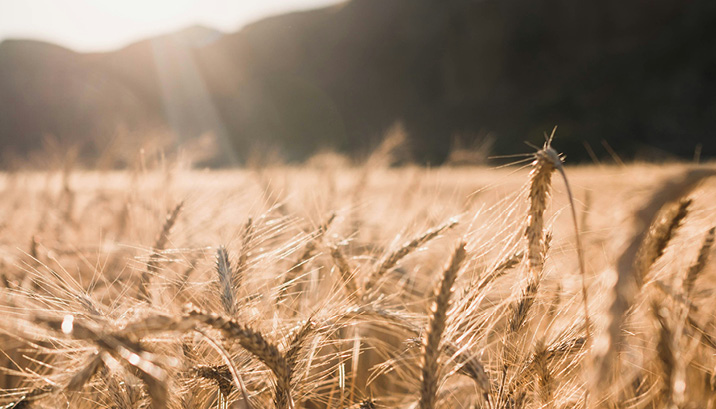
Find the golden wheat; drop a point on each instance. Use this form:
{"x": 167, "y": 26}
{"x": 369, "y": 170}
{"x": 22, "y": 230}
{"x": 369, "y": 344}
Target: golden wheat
{"x": 344, "y": 313}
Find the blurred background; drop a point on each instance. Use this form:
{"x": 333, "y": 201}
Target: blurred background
{"x": 222, "y": 82}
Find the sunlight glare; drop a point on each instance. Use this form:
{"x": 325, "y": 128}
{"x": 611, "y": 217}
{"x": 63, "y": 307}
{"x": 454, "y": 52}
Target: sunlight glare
{"x": 145, "y": 11}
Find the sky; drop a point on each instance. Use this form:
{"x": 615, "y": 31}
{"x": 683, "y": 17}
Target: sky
{"x": 102, "y": 25}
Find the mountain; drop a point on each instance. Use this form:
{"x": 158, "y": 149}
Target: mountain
{"x": 639, "y": 75}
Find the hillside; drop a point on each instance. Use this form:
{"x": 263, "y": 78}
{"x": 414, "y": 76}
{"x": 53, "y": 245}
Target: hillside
{"x": 639, "y": 75}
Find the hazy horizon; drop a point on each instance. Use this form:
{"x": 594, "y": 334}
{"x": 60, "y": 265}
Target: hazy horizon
{"x": 104, "y": 25}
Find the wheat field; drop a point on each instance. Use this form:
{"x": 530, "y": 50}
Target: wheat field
{"x": 331, "y": 285}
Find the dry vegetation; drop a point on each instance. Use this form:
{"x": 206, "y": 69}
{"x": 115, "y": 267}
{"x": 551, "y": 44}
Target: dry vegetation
{"x": 332, "y": 286}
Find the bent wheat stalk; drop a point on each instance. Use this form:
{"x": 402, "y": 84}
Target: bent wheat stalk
{"x": 549, "y": 154}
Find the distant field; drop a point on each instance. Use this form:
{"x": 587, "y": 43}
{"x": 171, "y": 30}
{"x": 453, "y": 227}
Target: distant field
{"x": 315, "y": 287}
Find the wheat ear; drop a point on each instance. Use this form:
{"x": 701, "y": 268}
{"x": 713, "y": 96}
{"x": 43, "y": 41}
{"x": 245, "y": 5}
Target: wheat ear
{"x": 540, "y": 185}
{"x": 223, "y": 373}
{"x": 121, "y": 348}
{"x": 660, "y": 234}
{"x": 468, "y": 363}
{"x": 92, "y": 365}
{"x": 159, "y": 245}
{"x": 308, "y": 252}
{"x": 257, "y": 345}
{"x": 296, "y": 343}
{"x": 505, "y": 265}
{"x": 219, "y": 374}
{"x": 628, "y": 277}
{"x": 698, "y": 266}
{"x": 392, "y": 259}
{"x": 666, "y": 353}
{"x": 347, "y": 273}
{"x": 543, "y": 374}
{"x": 434, "y": 331}
{"x": 227, "y": 281}
{"x": 247, "y": 237}
{"x": 366, "y": 404}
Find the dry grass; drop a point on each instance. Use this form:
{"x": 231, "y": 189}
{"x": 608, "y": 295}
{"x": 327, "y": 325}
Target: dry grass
{"x": 337, "y": 287}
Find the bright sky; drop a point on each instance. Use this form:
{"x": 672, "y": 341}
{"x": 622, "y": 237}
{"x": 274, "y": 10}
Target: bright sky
{"x": 98, "y": 25}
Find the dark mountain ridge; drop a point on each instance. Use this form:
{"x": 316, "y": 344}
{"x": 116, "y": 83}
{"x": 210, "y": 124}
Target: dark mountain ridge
{"x": 639, "y": 75}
